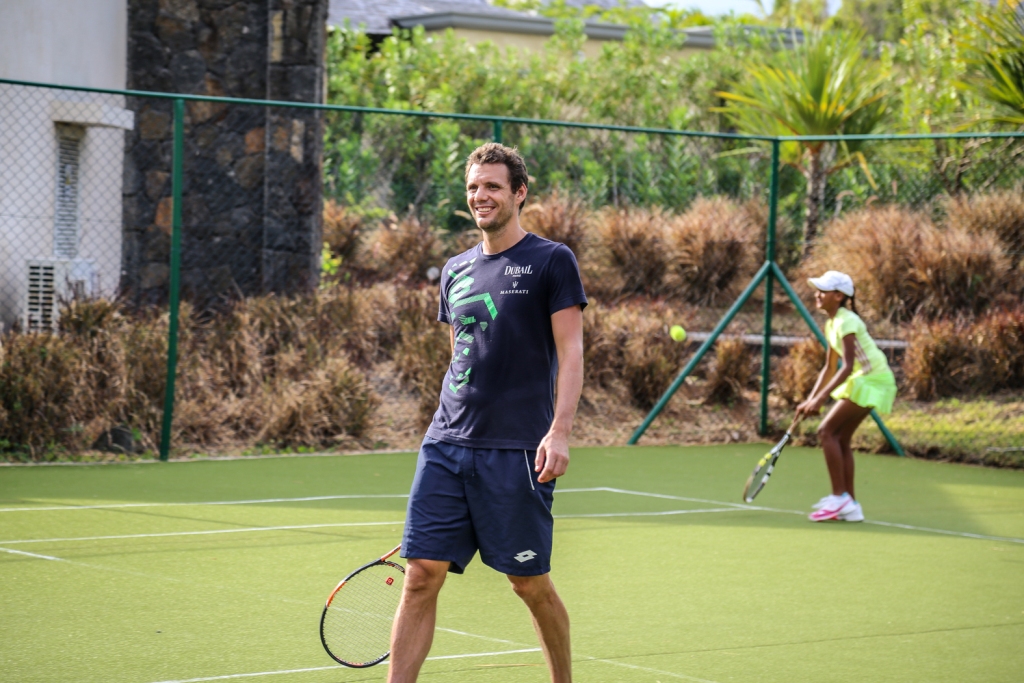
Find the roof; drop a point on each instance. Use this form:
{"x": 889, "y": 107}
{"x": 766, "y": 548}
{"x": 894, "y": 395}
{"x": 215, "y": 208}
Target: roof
{"x": 380, "y": 16}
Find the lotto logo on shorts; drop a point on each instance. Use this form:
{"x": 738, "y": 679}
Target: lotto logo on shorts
{"x": 389, "y": 580}
{"x": 525, "y": 556}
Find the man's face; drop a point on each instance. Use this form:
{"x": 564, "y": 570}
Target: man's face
{"x": 489, "y": 195}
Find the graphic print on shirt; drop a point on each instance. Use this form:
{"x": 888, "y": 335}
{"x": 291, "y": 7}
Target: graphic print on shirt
{"x": 460, "y": 294}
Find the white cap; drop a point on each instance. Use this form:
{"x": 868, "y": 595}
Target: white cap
{"x": 833, "y": 281}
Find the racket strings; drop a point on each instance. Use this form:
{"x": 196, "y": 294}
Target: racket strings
{"x": 357, "y": 625}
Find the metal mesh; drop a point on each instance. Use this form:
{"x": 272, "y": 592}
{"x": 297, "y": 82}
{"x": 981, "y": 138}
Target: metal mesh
{"x": 310, "y": 239}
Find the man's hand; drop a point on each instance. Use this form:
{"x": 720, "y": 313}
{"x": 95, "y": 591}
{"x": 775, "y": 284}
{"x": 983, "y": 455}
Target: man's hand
{"x": 552, "y": 457}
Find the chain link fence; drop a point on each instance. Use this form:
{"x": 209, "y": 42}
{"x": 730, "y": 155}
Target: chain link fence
{"x": 309, "y": 241}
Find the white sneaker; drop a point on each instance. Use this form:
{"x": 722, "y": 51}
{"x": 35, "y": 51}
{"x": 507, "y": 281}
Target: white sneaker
{"x": 840, "y": 505}
{"x": 852, "y": 514}
{"x": 825, "y": 500}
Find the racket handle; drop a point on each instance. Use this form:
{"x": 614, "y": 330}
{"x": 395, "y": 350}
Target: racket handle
{"x": 796, "y": 420}
{"x": 392, "y": 552}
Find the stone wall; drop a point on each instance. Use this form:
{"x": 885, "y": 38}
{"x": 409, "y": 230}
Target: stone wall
{"x": 251, "y": 194}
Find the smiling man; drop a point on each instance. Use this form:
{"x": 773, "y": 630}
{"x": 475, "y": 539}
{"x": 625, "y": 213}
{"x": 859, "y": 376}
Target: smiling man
{"x": 485, "y": 477}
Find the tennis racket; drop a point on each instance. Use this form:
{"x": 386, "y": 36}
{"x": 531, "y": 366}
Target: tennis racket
{"x": 759, "y": 477}
{"x": 355, "y": 626}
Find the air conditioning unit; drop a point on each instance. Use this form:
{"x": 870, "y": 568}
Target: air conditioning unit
{"x": 52, "y": 282}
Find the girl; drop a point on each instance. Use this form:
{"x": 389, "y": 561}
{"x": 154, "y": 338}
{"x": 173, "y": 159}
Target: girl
{"x": 864, "y": 382}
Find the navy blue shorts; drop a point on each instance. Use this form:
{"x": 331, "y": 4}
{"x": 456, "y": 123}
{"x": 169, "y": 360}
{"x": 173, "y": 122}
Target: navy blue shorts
{"x": 467, "y": 499}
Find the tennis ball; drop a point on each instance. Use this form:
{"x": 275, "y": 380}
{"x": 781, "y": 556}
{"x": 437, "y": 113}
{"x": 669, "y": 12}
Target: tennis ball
{"x": 677, "y": 332}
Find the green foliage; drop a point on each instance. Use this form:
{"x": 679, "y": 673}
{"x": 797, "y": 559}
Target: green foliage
{"x": 823, "y": 86}
{"x": 997, "y": 58}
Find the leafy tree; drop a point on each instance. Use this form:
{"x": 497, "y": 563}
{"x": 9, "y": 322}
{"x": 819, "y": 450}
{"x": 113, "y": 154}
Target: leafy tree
{"x": 824, "y": 86}
{"x": 997, "y": 55}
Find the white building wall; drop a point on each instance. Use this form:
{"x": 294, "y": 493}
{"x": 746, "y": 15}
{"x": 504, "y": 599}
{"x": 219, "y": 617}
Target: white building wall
{"x": 64, "y": 42}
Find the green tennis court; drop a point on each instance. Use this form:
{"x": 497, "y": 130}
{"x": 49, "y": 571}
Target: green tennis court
{"x": 217, "y": 570}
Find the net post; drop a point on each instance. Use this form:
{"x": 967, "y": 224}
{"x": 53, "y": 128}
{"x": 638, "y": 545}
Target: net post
{"x": 769, "y": 257}
{"x": 806, "y": 315}
{"x": 722, "y": 324}
{"x": 497, "y": 130}
{"x": 174, "y": 285}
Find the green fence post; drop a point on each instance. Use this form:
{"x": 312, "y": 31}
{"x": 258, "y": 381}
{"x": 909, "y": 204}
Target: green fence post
{"x": 722, "y": 324}
{"x": 769, "y": 257}
{"x": 497, "y": 130}
{"x": 175, "y": 277}
{"x": 811, "y": 323}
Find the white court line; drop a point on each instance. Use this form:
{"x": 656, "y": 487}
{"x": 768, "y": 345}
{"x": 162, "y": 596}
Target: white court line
{"x": 646, "y": 668}
{"x": 254, "y": 501}
{"x": 646, "y": 514}
{"x": 608, "y": 489}
{"x": 202, "y": 533}
{"x": 38, "y": 557}
{"x": 116, "y": 506}
{"x": 337, "y": 667}
{"x": 910, "y": 527}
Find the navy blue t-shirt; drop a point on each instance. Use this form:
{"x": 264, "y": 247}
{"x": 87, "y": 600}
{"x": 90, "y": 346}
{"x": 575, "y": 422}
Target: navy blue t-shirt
{"x": 499, "y": 391}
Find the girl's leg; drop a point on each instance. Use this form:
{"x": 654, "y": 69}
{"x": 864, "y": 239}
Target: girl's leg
{"x": 844, "y": 415}
{"x": 845, "y": 438}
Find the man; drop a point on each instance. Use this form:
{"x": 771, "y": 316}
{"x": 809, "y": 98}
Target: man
{"x": 485, "y": 477}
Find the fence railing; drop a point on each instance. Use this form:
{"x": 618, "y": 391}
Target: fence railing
{"x": 160, "y": 198}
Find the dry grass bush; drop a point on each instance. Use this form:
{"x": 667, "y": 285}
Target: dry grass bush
{"x": 602, "y": 355}
{"x": 713, "y": 250}
{"x": 560, "y": 218}
{"x": 1000, "y": 213}
{"x": 641, "y": 353}
{"x": 957, "y": 357}
{"x": 423, "y": 352}
{"x": 405, "y": 249}
{"x": 629, "y": 251}
{"x": 332, "y": 402}
{"x": 731, "y": 371}
{"x": 343, "y": 229}
{"x": 903, "y": 265}
{"x": 798, "y": 371}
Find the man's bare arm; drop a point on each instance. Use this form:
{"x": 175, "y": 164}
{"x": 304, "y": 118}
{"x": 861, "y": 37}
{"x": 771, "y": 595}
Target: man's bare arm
{"x": 553, "y": 452}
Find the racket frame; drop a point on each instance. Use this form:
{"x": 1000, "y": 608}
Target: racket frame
{"x": 382, "y": 560}
{"x": 768, "y": 460}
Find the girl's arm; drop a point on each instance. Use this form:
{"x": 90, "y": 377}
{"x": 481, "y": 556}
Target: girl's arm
{"x": 819, "y": 395}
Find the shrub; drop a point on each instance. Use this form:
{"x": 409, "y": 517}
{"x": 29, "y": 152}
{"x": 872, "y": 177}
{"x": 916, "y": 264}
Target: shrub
{"x": 333, "y": 402}
{"x": 731, "y": 371}
{"x": 560, "y": 218}
{"x": 954, "y": 357}
{"x": 343, "y": 229}
{"x": 650, "y": 359}
{"x": 630, "y": 250}
{"x": 602, "y": 356}
{"x": 38, "y": 386}
{"x": 798, "y": 371}
{"x": 713, "y": 249}
{"x": 1000, "y": 213}
{"x": 423, "y": 352}
{"x": 405, "y": 249}
{"x": 903, "y": 265}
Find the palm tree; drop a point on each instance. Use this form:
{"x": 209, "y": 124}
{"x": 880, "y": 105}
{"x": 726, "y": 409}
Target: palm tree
{"x": 823, "y": 86}
{"x": 999, "y": 62}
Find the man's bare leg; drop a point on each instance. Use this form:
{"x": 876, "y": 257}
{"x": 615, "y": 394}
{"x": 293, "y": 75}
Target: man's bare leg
{"x": 550, "y": 620}
{"x": 413, "y": 630}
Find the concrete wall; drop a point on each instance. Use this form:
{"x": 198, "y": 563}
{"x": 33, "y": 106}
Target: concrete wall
{"x": 66, "y": 43}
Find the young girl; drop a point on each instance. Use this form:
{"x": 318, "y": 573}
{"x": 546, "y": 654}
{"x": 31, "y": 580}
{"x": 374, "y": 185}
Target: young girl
{"x": 863, "y": 382}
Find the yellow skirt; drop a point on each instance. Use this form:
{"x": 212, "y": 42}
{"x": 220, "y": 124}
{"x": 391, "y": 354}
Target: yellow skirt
{"x": 876, "y": 390}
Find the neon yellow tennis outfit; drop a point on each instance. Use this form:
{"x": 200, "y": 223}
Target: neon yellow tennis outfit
{"x": 871, "y": 384}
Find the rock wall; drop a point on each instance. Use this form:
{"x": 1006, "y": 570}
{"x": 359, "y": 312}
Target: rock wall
{"x": 251, "y": 193}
